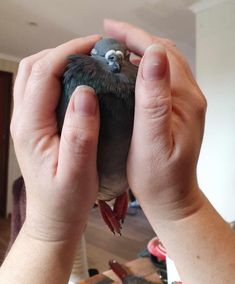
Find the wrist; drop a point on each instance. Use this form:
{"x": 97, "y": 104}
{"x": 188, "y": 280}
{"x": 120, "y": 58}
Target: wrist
{"x": 54, "y": 259}
{"x": 170, "y": 206}
{"x": 46, "y": 229}
{"x": 31, "y": 236}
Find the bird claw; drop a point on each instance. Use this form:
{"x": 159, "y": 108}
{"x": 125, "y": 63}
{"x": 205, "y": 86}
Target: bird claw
{"x": 113, "y": 217}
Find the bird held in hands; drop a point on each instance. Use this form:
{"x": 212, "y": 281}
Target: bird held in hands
{"x": 110, "y": 73}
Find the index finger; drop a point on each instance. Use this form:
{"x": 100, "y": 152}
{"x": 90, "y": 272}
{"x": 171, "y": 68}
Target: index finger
{"x": 53, "y": 64}
{"x": 43, "y": 86}
{"x": 137, "y": 40}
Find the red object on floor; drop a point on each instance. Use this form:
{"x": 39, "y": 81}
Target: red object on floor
{"x": 156, "y": 248}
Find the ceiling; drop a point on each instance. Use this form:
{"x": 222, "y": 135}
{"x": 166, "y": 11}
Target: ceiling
{"x": 28, "y": 26}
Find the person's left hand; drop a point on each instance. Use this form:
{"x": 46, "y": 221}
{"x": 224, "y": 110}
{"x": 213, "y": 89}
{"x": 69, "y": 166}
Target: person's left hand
{"x": 60, "y": 172}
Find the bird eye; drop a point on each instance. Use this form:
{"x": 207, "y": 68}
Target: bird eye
{"x": 120, "y": 54}
{"x": 108, "y": 53}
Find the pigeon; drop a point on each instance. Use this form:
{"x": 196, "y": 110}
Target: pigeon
{"x": 108, "y": 70}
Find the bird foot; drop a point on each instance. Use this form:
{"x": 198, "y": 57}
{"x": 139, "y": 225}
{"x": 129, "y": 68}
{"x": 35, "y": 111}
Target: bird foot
{"x": 114, "y": 217}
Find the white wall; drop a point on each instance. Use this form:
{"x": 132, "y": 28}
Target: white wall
{"x": 215, "y": 68}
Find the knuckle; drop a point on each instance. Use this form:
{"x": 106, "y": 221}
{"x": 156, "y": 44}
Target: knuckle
{"x": 169, "y": 42}
{"x": 201, "y": 104}
{"x": 157, "y": 106}
{"x": 124, "y": 25}
{"x": 18, "y": 134}
{"x": 152, "y": 39}
{"x": 25, "y": 64}
{"x": 38, "y": 68}
{"x": 78, "y": 141}
{"x": 12, "y": 129}
{"x": 165, "y": 41}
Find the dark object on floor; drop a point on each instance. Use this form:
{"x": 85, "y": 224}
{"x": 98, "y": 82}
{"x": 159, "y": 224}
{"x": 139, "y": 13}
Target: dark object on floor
{"x": 125, "y": 276}
{"x": 161, "y": 268}
{"x": 159, "y": 264}
{"x": 131, "y": 196}
{"x": 92, "y": 271}
{"x": 110, "y": 73}
{"x": 144, "y": 253}
{"x": 133, "y": 207}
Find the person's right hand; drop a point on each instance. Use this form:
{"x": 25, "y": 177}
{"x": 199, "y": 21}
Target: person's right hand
{"x": 168, "y": 127}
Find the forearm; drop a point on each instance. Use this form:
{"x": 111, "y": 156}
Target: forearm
{"x": 202, "y": 246}
{"x": 35, "y": 261}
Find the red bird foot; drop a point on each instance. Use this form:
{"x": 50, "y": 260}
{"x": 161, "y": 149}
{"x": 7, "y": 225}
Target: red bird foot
{"x": 112, "y": 217}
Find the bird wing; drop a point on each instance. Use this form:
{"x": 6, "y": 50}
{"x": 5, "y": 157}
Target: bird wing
{"x": 79, "y": 71}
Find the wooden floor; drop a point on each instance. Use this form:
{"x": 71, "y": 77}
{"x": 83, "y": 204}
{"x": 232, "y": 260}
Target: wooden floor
{"x": 4, "y": 237}
{"x": 101, "y": 244}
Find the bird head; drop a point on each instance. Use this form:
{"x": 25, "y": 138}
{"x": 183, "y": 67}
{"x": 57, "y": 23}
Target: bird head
{"x": 112, "y": 51}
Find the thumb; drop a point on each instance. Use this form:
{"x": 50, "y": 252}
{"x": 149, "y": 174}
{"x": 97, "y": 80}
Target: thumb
{"x": 79, "y": 136}
{"x": 153, "y": 107}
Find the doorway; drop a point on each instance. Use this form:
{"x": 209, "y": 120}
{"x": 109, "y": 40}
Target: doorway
{"x": 5, "y": 110}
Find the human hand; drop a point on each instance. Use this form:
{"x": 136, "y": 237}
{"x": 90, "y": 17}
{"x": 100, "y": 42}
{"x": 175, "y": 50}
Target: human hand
{"x": 168, "y": 127}
{"x": 59, "y": 172}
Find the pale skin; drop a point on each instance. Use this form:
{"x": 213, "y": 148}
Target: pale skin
{"x": 61, "y": 176}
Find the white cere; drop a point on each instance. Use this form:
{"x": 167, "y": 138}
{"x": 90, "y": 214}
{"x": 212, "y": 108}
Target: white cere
{"x": 120, "y": 54}
{"x": 108, "y": 53}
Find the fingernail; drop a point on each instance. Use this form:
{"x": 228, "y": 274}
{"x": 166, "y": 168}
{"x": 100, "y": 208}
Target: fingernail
{"x": 85, "y": 101}
{"x": 155, "y": 63}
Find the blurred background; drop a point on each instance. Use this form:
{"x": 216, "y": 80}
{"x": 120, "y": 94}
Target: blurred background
{"x": 205, "y": 33}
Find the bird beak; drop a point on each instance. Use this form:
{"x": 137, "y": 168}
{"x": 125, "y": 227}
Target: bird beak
{"x": 115, "y": 67}
{"x": 114, "y": 63}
